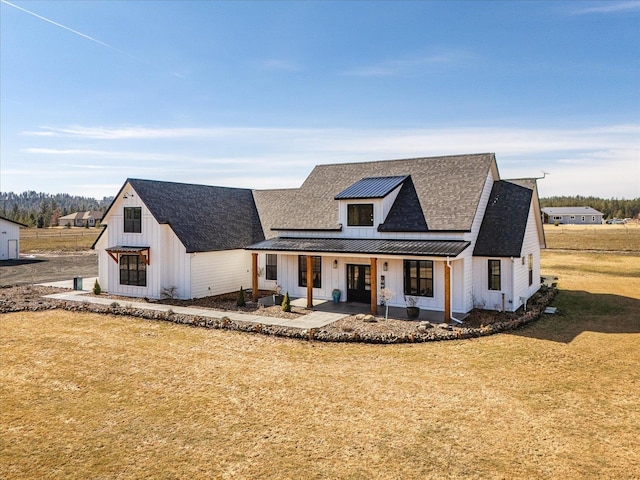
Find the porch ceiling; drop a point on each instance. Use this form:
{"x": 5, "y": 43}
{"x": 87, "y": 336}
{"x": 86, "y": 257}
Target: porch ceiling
{"x": 435, "y": 248}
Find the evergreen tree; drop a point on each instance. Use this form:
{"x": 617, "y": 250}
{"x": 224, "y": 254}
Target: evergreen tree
{"x": 241, "y": 301}
{"x": 286, "y": 303}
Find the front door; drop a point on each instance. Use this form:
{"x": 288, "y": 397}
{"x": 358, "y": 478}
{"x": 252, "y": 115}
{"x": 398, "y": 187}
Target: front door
{"x": 359, "y": 283}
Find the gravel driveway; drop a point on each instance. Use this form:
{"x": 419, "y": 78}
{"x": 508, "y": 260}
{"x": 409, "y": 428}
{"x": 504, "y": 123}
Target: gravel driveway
{"x": 48, "y": 267}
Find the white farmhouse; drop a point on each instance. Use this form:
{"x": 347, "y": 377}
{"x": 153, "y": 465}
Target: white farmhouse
{"x": 446, "y": 232}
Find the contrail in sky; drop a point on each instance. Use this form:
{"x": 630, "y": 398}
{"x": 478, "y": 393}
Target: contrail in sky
{"x": 66, "y": 28}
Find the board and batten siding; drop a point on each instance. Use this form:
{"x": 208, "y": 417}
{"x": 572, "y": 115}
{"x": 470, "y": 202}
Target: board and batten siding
{"x": 174, "y": 264}
{"x": 530, "y": 245}
{"x": 169, "y": 265}
{"x": 214, "y": 273}
{"x": 9, "y": 240}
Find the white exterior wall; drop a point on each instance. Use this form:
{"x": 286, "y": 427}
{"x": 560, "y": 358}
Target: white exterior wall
{"x": 214, "y": 273}
{"x": 530, "y": 245}
{"x": 9, "y": 240}
{"x": 514, "y": 281}
{"x": 169, "y": 265}
{"x": 174, "y": 263}
{"x": 103, "y": 261}
{"x": 492, "y": 299}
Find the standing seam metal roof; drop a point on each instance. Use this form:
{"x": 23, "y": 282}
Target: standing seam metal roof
{"x": 435, "y": 248}
{"x": 372, "y": 187}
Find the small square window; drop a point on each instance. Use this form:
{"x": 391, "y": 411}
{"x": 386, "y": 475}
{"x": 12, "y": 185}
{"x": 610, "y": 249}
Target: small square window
{"x": 360, "y": 215}
{"x": 133, "y": 270}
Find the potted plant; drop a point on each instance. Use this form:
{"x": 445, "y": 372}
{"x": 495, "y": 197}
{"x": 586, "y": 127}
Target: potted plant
{"x": 336, "y": 295}
{"x": 277, "y": 295}
{"x": 413, "y": 312}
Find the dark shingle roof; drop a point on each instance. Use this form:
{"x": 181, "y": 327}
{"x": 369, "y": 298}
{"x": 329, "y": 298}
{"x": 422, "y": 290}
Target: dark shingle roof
{"x": 405, "y": 214}
{"x": 505, "y": 221}
{"x": 436, "y": 248}
{"x": 272, "y": 206}
{"x": 204, "y": 218}
{"x": 375, "y": 187}
{"x": 448, "y": 188}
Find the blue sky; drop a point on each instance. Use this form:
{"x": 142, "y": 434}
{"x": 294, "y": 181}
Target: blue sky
{"x": 254, "y": 94}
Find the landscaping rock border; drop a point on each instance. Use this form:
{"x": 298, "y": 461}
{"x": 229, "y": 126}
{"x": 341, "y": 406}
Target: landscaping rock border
{"x": 30, "y": 298}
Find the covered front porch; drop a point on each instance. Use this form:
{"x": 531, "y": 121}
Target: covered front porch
{"x": 355, "y": 308}
{"x": 365, "y": 273}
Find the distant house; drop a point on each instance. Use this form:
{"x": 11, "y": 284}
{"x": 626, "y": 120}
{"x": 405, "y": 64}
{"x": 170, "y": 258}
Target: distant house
{"x": 572, "y": 215}
{"x": 9, "y": 239}
{"x": 81, "y": 219}
{"x": 446, "y": 231}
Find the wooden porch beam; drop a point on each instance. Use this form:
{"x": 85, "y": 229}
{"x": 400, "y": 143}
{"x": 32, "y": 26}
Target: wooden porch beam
{"x": 447, "y": 291}
{"x": 254, "y": 276}
{"x": 374, "y": 286}
{"x": 309, "y": 281}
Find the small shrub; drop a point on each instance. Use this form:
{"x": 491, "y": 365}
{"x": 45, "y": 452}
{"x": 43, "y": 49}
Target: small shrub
{"x": 241, "y": 302}
{"x": 96, "y": 288}
{"x": 114, "y": 305}
{"x": 286, "y": 303}
{"x": 169, "y": 292}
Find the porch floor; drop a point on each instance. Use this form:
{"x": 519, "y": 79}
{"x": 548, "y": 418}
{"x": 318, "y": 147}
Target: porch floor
{"x": 354, "y": 308}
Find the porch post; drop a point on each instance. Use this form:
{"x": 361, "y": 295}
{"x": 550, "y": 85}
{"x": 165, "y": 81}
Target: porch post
{"x": 254, "y": 276}
{"x": 447, "y": 291}
{"x": 309, "y": 281}
{"x": 374, "y": 286}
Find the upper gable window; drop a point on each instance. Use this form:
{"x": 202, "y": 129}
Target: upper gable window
{"x": 360, "y": 215}
{"x": 132, "y": 220}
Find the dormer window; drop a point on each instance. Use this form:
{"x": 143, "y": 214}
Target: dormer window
{"x": 132, "y": 220}
{"x": 360, "y": 215}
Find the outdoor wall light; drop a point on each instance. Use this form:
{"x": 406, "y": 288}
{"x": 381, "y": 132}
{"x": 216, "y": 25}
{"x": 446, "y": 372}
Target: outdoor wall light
{"x": 335, "y": 264}
{"x": 385, "y": 266}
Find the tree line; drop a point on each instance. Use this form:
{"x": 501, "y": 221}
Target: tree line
{"x": 610, "y": 207}
{"x": 43, "y": 210}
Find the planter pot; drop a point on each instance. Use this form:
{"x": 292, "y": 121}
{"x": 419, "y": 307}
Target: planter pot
{"x": 277, "y": 299}
{"x": 336, "y": 296}
{"x": 413, "y": 313}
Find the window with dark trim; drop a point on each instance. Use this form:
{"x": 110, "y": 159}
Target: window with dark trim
{"x": 316, "y": 266}
{"x": 418, "y": 278}
{"x": 360, "y": 215}
{"x": 132, "y": 220}
{"x": 271, "y": 266}
{"x": 133, "y": 270}
{"x": 494, "y": 274}
{"x": 530, "y": 269}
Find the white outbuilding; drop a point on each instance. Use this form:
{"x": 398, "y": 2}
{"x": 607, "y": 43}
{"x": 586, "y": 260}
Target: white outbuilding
{"x": 9, "y": 239}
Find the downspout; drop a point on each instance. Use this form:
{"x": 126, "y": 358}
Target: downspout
{"x": 448, "y": 265}
{"x": 513, "y": 284}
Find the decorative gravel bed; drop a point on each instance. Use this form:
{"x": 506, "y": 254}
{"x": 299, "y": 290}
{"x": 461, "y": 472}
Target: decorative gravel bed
{"x": 354, "y": 328}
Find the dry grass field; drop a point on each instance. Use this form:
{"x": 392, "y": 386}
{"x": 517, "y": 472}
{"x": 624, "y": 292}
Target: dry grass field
{"x": 96, "y": 396}
{"x": 34, "y": 240}
{"x": 625, "y": 238}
